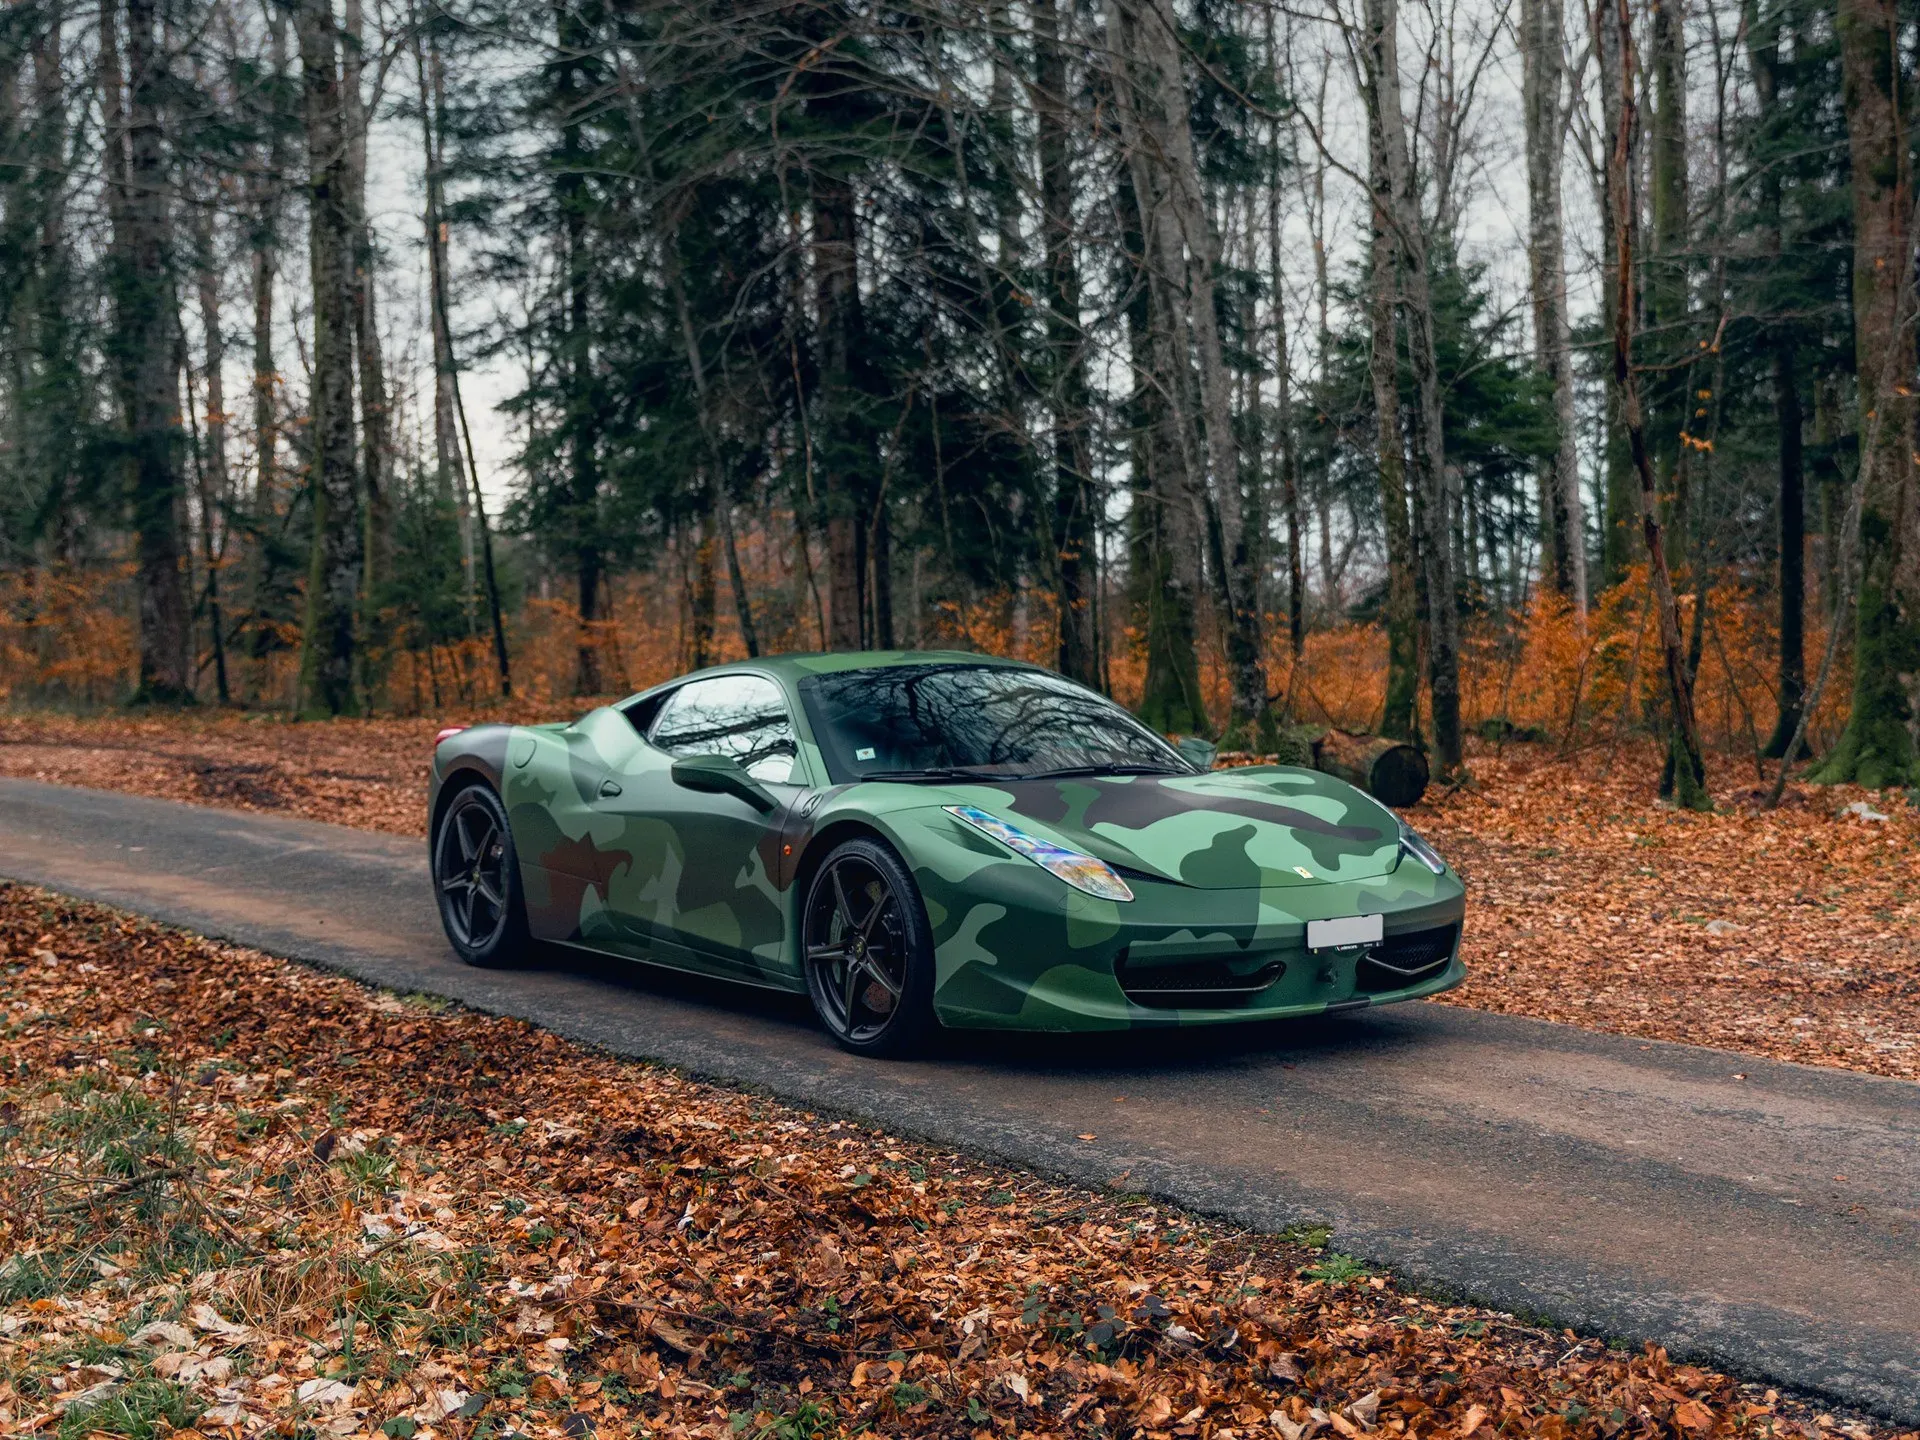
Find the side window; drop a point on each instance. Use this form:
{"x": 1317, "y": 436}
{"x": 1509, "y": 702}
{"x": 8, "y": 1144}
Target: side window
{"x": 739, "y": 715}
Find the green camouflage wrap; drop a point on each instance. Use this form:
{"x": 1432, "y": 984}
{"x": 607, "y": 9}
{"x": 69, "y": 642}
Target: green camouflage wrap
{"x": 1227, "y": 869}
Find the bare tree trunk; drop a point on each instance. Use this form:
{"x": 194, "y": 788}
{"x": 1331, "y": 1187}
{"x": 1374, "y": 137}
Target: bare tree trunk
{"x": 1235, "y": 509}
{"x": 583, "y": 421}
{"x": 736, "y": 578}
{"x": 1399, "y": 720}
{"x": 1881, "y": 746}
{"x": 704, "y": 599}
{"x": 1763, "y": 56}
{"x": 264, "y": 194}
{"x": 835, "y": 252}
{"x": 215, "y": 483}
{"x": 1181, "y": 251}
{"x": 328, "y": 679}
{"x": 49, "y": 404}
{"x": 266, "y": 430}
{"x": 1564, "y": 551}
{"x": 719, "y": 501}
{"x": 450, "y": 474}
{"x": 145, "y": 322}
{"x": 1323, "y": 329}
{"x": 880, "y": 582}
{"x": 1667, "y": 298}
{"x": 449, "y": 414}
{"x": 1075, "y": 502}
{"x": 1286, "y": 441}
{"x": 113, "y": 144}
{"x": 1289, "y": 456}
{"x": 1433, "y": 506}
{"x": 1620, "y": 538}
{"x": 1159, "y": 530}
{"x": 1689, "y": 766}
{"x": 376, "y": 434}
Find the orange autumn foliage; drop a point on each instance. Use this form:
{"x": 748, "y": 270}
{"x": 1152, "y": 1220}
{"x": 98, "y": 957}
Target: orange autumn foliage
{"x": 67, "y": 637}
{"x": 67, "y": 633}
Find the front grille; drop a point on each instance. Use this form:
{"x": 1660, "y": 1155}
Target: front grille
{"x": 1403, "y": 960}
{"x": 1192, "y": 984}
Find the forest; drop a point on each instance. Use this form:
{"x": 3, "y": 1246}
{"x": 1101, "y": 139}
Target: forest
{"x": 1461, "y": 371}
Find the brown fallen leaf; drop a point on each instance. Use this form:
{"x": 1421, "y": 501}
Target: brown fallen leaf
{"x": 525, "y": 1245}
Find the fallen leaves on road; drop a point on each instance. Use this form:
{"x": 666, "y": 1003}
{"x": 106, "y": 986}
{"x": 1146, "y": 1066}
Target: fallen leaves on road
{"x": 243, "y": 1197}
{"x": 367, "y": 773}
{"x": 1787, "y": 933}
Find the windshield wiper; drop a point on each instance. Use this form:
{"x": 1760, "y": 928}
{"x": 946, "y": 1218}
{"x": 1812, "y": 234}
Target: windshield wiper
{"x": 1067, "y": 771}
{"x": 941, "y": 772}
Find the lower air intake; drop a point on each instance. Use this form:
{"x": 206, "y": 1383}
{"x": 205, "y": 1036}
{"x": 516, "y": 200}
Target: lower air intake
{"x": 1192, "y": 984}
{"x": 1403, "y": 960}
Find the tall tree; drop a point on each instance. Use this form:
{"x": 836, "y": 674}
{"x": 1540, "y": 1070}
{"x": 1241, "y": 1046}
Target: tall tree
{"x": 1163, "y": 548}
{"x": 1075, "y": 499}
{"x": 836, "y": 249}
{"x": 572, "y": 99}
{"x": 376, "y": 425}
{"x": 329, "y": 681}
{"x": 265, "y": 189}
{"x": 1620, "y": 535}
{"x": 1878, "y": 747}
{"x": 456, "y": 481}
{"x": 1398, "y": 719}
{"x": 1183, "y": 254}
{"x": 215, "y": 495}
{"x": 1763, "y": 35}
{"x": 1666, "y": 292}
{"x": 1432, "y": 508}
{"x": 1287, "y": 437}
{"x": 1688, "y": 766}
{"x": 144, "y": 322}
{"x": 1543, "y": 83}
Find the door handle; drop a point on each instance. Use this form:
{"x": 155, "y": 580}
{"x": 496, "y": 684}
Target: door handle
{"x": 609, "y": 789}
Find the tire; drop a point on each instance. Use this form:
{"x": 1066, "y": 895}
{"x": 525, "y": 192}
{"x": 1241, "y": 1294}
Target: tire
{"x": 868, "y": 951}
{"x": 476, "y": 879}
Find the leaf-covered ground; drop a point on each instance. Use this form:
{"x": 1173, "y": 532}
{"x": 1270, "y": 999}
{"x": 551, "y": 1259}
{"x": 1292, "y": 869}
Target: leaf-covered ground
{"x": 241, "y": 1196}
{"x": 1788, "y": 933}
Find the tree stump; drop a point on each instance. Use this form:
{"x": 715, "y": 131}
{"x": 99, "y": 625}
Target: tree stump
{"x": 1389, "y": 770}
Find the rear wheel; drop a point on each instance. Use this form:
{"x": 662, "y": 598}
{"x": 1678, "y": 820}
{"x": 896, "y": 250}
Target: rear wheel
{"x": 476, "y": 877}
{"x": 869, "y": 952}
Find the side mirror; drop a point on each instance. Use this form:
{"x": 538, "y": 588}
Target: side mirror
{"x": 722, "y": 775}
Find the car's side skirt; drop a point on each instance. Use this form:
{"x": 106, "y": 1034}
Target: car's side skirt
{"x": 666, "y": 955}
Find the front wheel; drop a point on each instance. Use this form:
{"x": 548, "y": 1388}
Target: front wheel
{"x": 476, "y": 877}
{"x": 869, "y": 952}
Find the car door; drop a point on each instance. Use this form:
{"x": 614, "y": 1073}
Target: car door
{"x": 701, "y": 882}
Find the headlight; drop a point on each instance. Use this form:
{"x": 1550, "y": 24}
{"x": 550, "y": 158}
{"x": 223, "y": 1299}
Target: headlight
{"x": 1082, "y": 872}
{"x": 1412, "y": 844}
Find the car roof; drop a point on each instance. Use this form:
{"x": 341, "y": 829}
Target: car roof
{"x": 797, "y": 666}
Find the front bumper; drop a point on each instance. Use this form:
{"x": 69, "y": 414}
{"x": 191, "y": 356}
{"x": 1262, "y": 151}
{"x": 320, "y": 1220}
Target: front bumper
{"x": 1017, "y": 950}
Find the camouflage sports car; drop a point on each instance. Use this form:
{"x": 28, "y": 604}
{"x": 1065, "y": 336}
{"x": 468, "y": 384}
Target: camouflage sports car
{"x": 921, "y": 838}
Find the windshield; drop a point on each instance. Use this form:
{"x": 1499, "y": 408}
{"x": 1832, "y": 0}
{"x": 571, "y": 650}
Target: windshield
{"x": 953, "y": 721}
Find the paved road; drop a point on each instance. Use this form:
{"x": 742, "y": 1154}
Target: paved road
{"x": 1636, "y": 1190}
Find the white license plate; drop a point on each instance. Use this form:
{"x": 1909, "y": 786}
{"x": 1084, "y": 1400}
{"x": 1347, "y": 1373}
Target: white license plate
{"x": 1346, "y": 932}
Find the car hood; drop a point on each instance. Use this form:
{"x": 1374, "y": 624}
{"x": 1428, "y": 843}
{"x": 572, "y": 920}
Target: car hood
{"x": 1258, "y": 826}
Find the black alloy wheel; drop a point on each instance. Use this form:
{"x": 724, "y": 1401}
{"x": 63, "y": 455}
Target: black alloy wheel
{"x": 869, "y": 955}
{"x": 476, "y": 877}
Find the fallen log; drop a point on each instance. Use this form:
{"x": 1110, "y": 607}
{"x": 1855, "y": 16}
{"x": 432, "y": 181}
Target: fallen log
{"x": 1388, "y": 770}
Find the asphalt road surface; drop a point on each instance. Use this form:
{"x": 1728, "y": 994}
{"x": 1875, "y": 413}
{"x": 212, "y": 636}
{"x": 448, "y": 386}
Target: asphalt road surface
{"x": 1637, "y": 1190}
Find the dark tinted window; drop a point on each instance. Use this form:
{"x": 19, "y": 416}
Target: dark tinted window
{"x": 744, "y": 716}
{"x": 993, "y": 719}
